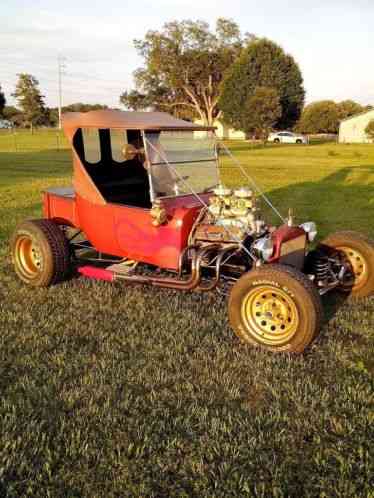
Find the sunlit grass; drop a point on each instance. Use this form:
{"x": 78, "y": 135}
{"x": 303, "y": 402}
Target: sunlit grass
{"x": 110, "y": 390}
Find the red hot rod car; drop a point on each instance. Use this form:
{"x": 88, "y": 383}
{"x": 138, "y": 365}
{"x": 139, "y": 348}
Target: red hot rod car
{"x": 152, "y": 203}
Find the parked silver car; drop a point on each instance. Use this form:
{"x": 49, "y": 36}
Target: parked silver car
{"x": 5, "y": 124}
{"x": 287, "y": 137}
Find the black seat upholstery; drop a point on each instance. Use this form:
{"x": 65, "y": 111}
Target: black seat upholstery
{"x": 126, "y": 182}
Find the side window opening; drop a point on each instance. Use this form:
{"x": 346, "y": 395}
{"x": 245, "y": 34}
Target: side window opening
{"x": 119, "y": 179}
{"x": 118, "y": 140}
{"x": 91, "y": 145}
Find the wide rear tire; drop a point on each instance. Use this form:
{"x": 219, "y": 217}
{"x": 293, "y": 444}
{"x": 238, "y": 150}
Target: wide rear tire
{"x": 40, "y": 253}
{"x": 277, "y": 308}
{"x": 357, "y": 252}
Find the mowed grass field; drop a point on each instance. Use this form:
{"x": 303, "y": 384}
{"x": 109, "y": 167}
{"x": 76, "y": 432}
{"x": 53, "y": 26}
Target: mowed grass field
{"x": 118, "y": 391}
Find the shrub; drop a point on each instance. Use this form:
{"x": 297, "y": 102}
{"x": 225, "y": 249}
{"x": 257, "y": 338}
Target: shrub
{"x": 369, "y": 130}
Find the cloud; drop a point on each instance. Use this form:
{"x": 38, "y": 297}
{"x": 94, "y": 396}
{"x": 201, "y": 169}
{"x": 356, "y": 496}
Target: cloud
{"x": 332, "y": 49}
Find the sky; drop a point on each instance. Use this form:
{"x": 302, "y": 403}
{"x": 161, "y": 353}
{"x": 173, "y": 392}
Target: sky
{"x": 331, "y": 40}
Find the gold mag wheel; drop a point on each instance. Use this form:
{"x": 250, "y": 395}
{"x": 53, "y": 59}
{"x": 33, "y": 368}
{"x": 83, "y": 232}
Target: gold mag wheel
{"x": 27, "y": 256}
{"x": 270, "y": 315}
{"x": 357, "y": 264}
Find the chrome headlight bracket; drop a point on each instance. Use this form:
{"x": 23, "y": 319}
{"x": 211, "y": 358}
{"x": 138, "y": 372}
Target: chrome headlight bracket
{"x": 310, "y": 228}
{"x": 265, "y": 247}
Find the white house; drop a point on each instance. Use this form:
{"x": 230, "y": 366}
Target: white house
{"x": 225, "y": 132}
{"x": 352, "y": 129}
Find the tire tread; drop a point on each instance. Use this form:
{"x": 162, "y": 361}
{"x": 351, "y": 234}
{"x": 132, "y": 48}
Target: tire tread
{"x": 272, "y": 272}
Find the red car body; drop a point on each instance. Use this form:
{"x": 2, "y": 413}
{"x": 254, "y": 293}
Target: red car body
{"x": 127, "y": 231}
{"x": 124, "y": 218}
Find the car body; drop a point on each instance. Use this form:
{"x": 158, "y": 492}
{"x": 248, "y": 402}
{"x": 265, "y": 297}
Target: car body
{"x": 155, "y": 201}
{"x": 287, "y": 137}
{"x": 5, "y": 124}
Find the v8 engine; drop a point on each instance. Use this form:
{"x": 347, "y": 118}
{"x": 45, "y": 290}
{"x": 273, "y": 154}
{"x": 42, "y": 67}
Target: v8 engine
{"x": 231, "y": 215}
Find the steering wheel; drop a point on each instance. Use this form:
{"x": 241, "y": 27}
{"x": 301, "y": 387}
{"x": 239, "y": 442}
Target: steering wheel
{"x": 208, "y": 189}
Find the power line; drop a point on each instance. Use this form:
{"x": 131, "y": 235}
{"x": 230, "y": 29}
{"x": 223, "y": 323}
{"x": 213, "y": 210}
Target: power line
{"x": 61, "y": 66}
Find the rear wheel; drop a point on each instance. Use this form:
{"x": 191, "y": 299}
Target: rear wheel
{"x": 275, "y": 307}
{"x": 40, "y": 253}
{"x": 357, "y": 253}
{"x": 276, "y": 140}
{"x": 298, "y": 141}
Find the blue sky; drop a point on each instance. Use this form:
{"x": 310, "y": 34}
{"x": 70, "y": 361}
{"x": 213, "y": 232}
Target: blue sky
{"x": 332, "y": 40}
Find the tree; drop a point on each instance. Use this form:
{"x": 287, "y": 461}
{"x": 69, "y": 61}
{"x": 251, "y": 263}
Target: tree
{"x": 262, "y": 64}
{"x": 348, "y": 108}
{"x": 261, "y": 112}
{"x": 2, "y": 101}
{"x": 369, "y": 130}
{"x": 12, "y": 114}
{"x": 80, "y": 107}
{"x": 183, "y": 67}
{"x": 52, "y": 112}
{"x": 320, "y": 117}
{"x": 30, "y": 100}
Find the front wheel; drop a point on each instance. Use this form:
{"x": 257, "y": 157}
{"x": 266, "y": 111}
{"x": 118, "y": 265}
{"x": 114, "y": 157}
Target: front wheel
{"x": 275, "y": 307}
{"x": 356, "y": 252}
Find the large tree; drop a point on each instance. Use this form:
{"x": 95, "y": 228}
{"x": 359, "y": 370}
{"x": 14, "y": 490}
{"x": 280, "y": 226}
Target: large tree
{"x": 261, "y": 112}
{"x": 320, "y": 117}
{"x": 2, "y": 101}
{"x": 184, "y": 64}
{"x": 348, "y": 108}
{"x": 262, "y": 64}
{"x": 30, "y": 100}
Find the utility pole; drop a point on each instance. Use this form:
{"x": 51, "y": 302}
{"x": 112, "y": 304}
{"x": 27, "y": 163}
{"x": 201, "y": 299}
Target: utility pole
{"x": 61, "y": 66}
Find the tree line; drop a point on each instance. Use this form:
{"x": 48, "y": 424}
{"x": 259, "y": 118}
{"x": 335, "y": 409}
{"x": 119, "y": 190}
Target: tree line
{"x": 31, "y": 110}
{"x": 249, "y": 83}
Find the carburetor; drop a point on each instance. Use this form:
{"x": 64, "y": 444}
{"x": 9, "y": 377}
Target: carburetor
{"x": 235, "y": 209}
{"x": 231, "y": 216}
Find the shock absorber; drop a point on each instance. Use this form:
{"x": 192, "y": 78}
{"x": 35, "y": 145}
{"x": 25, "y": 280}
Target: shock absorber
{"x": 318, "y": 265}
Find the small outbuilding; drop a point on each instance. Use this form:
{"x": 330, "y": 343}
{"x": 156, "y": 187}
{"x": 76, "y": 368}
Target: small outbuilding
{"x": 225, "y": 132}
{"x": 352, "y": 129}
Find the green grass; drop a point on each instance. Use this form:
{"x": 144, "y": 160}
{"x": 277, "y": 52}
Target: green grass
{"x": 108, "y": 390}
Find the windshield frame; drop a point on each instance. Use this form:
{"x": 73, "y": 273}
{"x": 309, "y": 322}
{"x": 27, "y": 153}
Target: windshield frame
{"x": 153, "y": 147}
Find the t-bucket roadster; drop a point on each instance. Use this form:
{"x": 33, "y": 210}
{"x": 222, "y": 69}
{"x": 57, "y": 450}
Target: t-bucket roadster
{"x": 151, "y": 203}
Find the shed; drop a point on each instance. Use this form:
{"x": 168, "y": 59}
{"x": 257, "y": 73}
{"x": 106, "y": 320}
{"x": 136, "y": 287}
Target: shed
{"x": 223, "y": 131}
{"x": 352, "y": 129}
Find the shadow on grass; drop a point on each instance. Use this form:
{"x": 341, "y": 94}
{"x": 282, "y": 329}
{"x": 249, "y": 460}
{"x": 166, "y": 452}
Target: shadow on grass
{"x": 336, "y": 201}
{"x": 343, "y": 200}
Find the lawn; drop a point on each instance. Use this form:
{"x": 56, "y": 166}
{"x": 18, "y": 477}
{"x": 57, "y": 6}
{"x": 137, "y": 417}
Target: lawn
{"x": 117, "y": 391}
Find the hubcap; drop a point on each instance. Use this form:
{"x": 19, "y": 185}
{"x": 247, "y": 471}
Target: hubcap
{"x": 357, "y": 266}
{"x": 27, "y": 256}
{"x": 270, "y": 315}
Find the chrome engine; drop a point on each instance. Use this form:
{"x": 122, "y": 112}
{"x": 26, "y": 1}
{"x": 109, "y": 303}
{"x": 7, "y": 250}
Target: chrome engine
{"x": 231, "y": 215}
